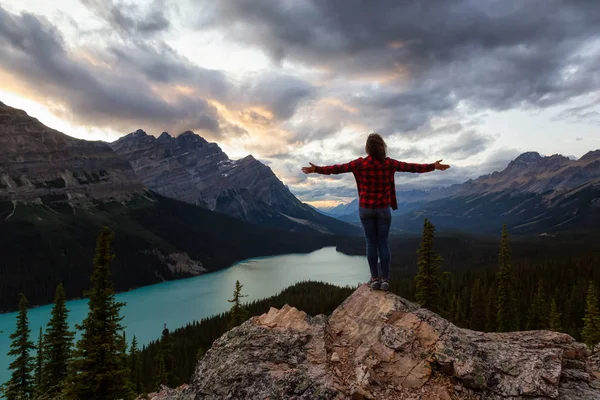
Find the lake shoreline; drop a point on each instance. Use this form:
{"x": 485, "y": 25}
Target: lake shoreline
{"x": 179, "y": 302}
{"x": 217, "y": 269}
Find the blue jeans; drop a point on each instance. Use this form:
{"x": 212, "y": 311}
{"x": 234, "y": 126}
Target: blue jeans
{"x": 376, "y": 223}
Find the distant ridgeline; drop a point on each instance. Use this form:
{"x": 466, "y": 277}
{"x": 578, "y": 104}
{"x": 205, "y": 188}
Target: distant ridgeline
{"x": 532, "y": 195}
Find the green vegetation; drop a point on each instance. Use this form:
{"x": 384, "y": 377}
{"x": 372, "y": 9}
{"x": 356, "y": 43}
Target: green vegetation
{"x": 39, "y": 363}
{"x": 591, "y": 327}
{"x": 428, "y": 280}
{"x": 554, "y": 322}
{"x": 538, "y": 312}
{"x": 237, "y": 313}
{"x": 97, "y": 371}
{"x": 477, "y": 318}
{"x": 58, "y": 344}
{"x": 507, "y": 298}
{"x": 21, "y": 384}
{"x": 165, "y": 361}
{"x": 135, "y": 366}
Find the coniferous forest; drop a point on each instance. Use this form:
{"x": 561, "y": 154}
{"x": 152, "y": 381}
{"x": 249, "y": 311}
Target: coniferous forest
{"x": 558, "y": 293}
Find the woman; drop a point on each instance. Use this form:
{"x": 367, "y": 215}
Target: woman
{"x": 377, "y": 193}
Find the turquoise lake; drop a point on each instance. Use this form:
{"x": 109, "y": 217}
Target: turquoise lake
{"x": 176, "y": 303}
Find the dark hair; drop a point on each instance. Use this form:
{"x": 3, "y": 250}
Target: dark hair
{"x": 376, "y": 147}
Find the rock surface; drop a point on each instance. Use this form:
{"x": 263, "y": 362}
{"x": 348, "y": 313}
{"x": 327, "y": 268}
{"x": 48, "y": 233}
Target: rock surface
{"x": 39, "y": 164}
{"x": 379, "y": 346}
{"x": 190, "y": 169}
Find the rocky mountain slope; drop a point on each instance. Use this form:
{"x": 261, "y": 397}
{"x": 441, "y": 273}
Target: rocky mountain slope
{"x": 532, "y": 173}
{"x": 43, "y": 165}
{"x": 190, "y": 169}
{"x": 56, "y": 193}
{"x": 377, "y": 345}
{"x": 533, "y": 195}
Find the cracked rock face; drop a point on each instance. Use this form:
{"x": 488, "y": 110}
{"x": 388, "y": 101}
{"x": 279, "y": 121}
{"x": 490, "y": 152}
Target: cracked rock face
{"x": 379, "y": 346}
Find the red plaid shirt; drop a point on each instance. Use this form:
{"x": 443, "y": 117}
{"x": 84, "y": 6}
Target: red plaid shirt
{"x": 375, "y": 179}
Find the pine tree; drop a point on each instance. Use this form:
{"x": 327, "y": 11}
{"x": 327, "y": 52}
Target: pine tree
{"x": 237, "y": 313}
{"x": 165, "y": 362}
{"x": 135, "y": 365}
{"x": 58, "y": 342}
{"x": 491, "y": 310}
{"x": 591, "y": 321}
{"x": 97, "y": 371}
{"x": 167, "y": 350}
{"x": 39, "y": 364}
{"x": 161, "y": 371}
{"x": 477, "y": 307}
{"x": 538, "y": 314}
{"x": 428, "y": 279}
{"x": 124, "y": 355}
{"x": 21, "y": 384}
{"x": 508, "y": 319}
{"x": 555, "y": 317}
{"x": 456, "y": 314}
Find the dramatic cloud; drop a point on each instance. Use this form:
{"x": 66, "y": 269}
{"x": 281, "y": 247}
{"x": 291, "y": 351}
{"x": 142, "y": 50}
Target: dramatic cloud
{"x": 307, "y": 80}
{"x": 466, "y": 145}
{"x": 428, "y": 58}
{"x": 129, "y": 18}
{"x": 126, "y": 85}
{"x": 96, "y": 94}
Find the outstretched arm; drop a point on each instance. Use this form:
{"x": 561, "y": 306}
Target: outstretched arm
{"x": 332, "y": 169}
{"x": 401, "y": 166}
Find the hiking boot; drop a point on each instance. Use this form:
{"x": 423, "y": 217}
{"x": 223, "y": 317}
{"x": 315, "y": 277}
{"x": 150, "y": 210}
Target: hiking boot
{"x": 385, "y": 286}
{"x": 374, "y": 284}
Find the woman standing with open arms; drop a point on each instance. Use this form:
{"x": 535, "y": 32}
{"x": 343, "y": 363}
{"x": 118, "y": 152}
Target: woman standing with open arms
{"x": 377, "y": 193}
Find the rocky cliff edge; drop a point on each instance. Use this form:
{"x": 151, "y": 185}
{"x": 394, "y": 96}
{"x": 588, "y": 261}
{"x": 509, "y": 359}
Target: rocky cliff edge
{"x": 378, "y": 345}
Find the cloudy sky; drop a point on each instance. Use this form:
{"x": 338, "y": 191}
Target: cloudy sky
{"x": 473, "y": 82}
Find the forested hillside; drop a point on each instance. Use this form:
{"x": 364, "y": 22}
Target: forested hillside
{"x": 156, "y": 239}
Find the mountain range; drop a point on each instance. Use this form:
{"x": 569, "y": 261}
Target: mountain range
{"x": 190, "y": 169}
{"x": 56, "y": 192}
{"x": 532, "y": 195}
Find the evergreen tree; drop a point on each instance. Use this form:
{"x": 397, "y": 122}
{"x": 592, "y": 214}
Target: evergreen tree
{"x": 538, "y": 314}
{"x": 97, "y": 371}
{"x": 165, "y": 362}
{"x": 161, "y": 371}
{"x": 237, "y": 313}
{"x": 491, "y": 310}
{"x": 591, "y": 321}
{"x": 21, "y": 383}
{"x": 129, "y": 386}
{"x": 39, "y": 364}
{"x": 428, "y": 279}
{"x": 508, "y": 319}
{"x": 167, "y": 350}
{"x": 135, "y": 366}
{"x": 477, "y": 322}
{"x": 456, "y": 314}
{"x": 58, "y": 342}
{"x": 555, "y": 317}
